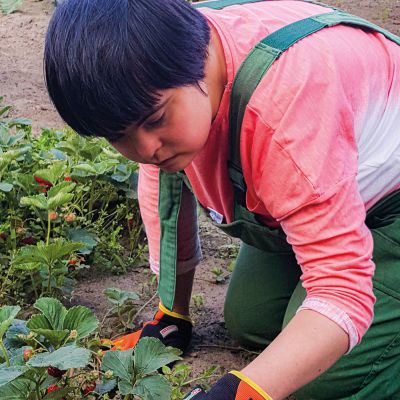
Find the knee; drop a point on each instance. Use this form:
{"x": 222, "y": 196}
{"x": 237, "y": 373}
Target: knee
{"x": 245, "y": 327}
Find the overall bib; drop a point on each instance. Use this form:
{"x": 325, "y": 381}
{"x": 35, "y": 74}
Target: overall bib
{"x": 259, "y": 304}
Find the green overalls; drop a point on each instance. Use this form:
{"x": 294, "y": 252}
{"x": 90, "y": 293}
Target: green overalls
{"x": 372, "y": 369}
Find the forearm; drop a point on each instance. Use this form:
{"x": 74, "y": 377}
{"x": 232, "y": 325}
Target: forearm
{"x": 183, "y": 292}
{"x": 307, "y": 347}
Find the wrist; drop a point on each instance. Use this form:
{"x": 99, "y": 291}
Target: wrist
{"x": 175, "y": 313}
{"x": 251, "y": 384}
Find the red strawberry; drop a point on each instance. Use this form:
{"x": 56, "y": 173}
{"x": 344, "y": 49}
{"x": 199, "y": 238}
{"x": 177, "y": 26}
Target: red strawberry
{"x": 70, "y": 217}
{"x": 28, "y": 353}
{"x": 53, "y": 388}
{"x": 43, "y": 182}
{"x": 67, "y": 178}
{"x": 52, "y": 215}
{"x": 28, "y": 240}
{"x": 89, "y": 388}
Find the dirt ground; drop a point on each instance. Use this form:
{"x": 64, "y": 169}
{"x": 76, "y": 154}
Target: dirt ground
{"x": 21, "y": 82}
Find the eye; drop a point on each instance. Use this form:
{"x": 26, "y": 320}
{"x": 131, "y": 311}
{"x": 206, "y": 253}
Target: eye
{"x": 155, "y": 123}
{"x": 114, "y": 138}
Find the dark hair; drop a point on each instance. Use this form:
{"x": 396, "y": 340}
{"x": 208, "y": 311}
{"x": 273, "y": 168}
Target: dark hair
{"x": 107, "y": 60}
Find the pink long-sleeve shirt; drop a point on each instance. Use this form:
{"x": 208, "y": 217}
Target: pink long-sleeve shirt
{"x": 320, "y": 144}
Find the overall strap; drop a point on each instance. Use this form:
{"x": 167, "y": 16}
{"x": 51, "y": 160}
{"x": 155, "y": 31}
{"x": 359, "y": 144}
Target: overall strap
{"x": 220, "y": 4}
{"x": 169, "y": 203}
{"x": 258, "y": 62}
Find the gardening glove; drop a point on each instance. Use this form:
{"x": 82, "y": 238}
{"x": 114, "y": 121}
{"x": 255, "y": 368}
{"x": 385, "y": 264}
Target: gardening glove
{"x": 232, "y": 386}
{"x": 171, "y": 328}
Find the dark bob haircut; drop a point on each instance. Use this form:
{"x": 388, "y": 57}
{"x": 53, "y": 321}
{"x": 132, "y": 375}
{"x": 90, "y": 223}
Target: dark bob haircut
{"x": 106, "y": 60}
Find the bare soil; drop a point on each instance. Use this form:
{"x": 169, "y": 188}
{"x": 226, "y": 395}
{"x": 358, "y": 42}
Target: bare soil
{"x": 21, "y": 82}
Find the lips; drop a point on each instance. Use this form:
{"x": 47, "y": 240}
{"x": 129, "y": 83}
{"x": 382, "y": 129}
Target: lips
{"x": 166, "y": 162}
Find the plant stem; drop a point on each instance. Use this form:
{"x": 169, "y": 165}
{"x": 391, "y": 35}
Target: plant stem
{"x": 144, "y": 306}
{"x": 34, "y": 285}
{"x": 50, "y": 276}
{"x": 48, "y": 230}
{"x": 216, "y": 346}
{"x": 4, "y": 351}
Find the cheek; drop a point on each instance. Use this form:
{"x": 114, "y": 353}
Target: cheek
{"x": 197, "y": 126}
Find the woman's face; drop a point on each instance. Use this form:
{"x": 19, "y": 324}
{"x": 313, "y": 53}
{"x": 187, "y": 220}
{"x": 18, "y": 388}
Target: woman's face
{"x": 172, "y": 136}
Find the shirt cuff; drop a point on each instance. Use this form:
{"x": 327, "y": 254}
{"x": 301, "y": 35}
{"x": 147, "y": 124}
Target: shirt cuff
{"x": 336, "y": 315}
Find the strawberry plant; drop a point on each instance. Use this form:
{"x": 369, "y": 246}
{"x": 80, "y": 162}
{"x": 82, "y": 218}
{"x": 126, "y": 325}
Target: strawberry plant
{"x": 53, "y": 356}
{"x": 57, "y": 189}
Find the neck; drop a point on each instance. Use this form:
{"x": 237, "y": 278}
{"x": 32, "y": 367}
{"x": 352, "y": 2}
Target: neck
{"x": 215, "y": 71}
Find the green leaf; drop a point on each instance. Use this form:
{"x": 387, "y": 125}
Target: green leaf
{"x": 105, "y": 386}
{"x": 89, "y": 239}
{"x": 9, "y": 6}
{"x": 59, "y": 200}
{"x": 125, "y": 387}
{"x": 6, "y": 187}
{"x": 7, "y": 315}
{"x": 53, "y": 310}
{"x": 154, "y": 387}
{"x": 12, "y": 341}
{"x": 7, "y": 375}
{"x": 38, "y": 322}
{"x": 64, "y": 358}
{"x": 65, "y": 187}
{"x": 84, "y": 169}
{"x": 19, "y": 389}
{"x": 117, "y": 296}
{"x": 151, "y": 354}
{"x": 37, "y": 201}
{"x": 28, "y": 255}
{"x": 81, "y": 319}
{"x": 55, "y": 337}
{"x": 52, "y": 174}
{"x": 120, "y": 362}
{"x": 59, "y": 249}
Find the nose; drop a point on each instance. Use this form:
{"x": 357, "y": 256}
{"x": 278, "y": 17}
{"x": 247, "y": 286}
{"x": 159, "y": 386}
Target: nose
{"x": 147, "y": 147}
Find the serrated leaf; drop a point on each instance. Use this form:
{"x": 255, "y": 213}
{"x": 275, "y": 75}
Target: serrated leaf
{"x": 89, "y": 239}
{"x": 8, "y": 374}
{"x": 117, "y": 296}
{"x": 84, "y": 169}
{"x": 17, "y": 327}
{"x": 59, "y": 200}
{"x": 65, "y": 187}
{"x": 151, "y": 354}
{"x": 7, "y": 315}
{"x": 38, "y": 201}
{"x": 53, "y": 310}
{"x": 106, "y": 386}
{"x": 120, "y": 362}
{"x": 153, "y": 387}
{"x": 18, "y": 389}
{"x": 64, "y": 358}
{"x": 82, "y": 320}
{"x": 125, "y": 387}
{"x": 52, "y": 174}
{"x": 9, "y": 6}
{"x": 28, "y": 255}
{"x": 55, "y": 337}
{"x": 6, "y": 187}
{"x": 59, "y": 249}
{"x": 38, "y": 322}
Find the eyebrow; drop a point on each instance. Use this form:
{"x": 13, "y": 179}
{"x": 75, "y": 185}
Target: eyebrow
{"x": 158, "y": 107}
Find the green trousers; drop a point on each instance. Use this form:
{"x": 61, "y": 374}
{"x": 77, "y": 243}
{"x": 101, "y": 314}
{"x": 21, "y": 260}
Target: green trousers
{"x": 265, "y": 292}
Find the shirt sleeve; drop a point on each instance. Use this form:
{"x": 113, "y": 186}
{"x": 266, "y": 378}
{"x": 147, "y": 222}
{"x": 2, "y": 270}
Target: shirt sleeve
{"x": 189, "y": 251}
{"x": 306, "y": 177}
